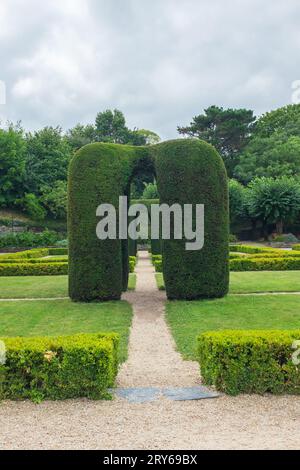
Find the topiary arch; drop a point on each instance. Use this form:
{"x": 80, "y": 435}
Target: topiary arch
{"x": 187, "y": 171}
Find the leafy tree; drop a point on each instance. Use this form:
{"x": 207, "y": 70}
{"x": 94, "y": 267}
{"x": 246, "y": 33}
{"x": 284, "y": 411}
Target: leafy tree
{"x": 236, "y": 201}
{"x": 32, "y": 206}
{"x": 81, "y": 135}
{"x": 274, "y": 200}
{"x": 285, "y": 119}
{"x": 111, "y": 127}
{"x": 12, "y": 164}
{"x": 272, "y": 156}
{"x": 274, "y": 149}
{"x": 48, "y": 156}
{"x": 55, "y": 199}
{"x": 226, "y": 129}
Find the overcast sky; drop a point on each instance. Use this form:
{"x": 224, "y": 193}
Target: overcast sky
{"x": 160, "y": 61}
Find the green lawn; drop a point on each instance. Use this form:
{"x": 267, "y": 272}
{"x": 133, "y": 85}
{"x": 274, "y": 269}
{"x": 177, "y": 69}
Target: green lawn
{"x": 188, "y": 319}
{"x": 35, "y": 287}
{"x": 63, "y": 317}
{"x": 257, "y": 281}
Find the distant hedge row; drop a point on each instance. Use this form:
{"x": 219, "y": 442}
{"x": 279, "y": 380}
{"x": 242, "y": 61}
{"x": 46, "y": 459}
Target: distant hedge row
{"x": 83, "y": 365}
{"x": 283, "y": 261}
{"x": 33, "y": 269}
{"x": 249, "y": 361}
{"x": 28, "y": 239}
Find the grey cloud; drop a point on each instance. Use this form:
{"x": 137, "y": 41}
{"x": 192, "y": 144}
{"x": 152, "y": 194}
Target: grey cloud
{"x": 160, "y": 61}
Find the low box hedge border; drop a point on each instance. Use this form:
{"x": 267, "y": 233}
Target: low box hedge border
{"x": 249, "y": 361}
{"x": 83, "y": 365}
{"x": 33, "y": 269}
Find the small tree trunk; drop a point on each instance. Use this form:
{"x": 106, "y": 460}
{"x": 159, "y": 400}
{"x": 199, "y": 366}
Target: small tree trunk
{"x": 279, "y": 227}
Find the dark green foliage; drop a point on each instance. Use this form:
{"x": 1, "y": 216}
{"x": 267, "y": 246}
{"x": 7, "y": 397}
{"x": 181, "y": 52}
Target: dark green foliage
{"x": 99, "y": 173}
{"x": 192, "y": 172}
{"x": 187, "y": 171}
{"x": 83, "y": 365}
{"x": 249, "y": 361}
{"x": 28, "y": 239}
{"x": 226, "y": 129}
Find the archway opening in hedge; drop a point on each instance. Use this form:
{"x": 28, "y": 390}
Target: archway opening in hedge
{"x": 187, "y": 171}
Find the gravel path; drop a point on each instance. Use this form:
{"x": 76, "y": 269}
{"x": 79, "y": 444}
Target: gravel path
{"x": 244, "y": 422}
{"x": 153, "y": 360}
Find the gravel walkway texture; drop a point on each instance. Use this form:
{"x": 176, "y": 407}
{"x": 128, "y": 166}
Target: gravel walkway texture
{"x": 243, "y": 422}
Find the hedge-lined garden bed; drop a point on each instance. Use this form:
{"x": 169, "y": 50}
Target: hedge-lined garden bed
{"x": 83, "y": 365}
{"x": 40, "y": 262}
{"x": 249, "y": 361}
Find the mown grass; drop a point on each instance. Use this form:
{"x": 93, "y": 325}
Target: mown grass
{"x": 63, "y": 317}
{"x": 188, "y": 319}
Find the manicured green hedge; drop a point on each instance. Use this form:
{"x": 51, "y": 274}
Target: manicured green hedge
{"x": 61, "y": 259}
{"x": 249, "y": 361}
{"x": 296, "y": 247}
{"x": 264, "y": 264}
{"x": 83, "y": 365}
{"x": 33, "y": 269}
{"x": 27, "y": 254}
{"x": 190, "y": 171}
{"x": 283, "y": 254}
{"x": 99, "y": 173}
{"x": 252, "y": 249}
{"x": 251, "y": 263}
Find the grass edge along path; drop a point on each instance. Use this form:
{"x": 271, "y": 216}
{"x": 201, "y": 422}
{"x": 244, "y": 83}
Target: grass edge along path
{"x": 189, "y": 319}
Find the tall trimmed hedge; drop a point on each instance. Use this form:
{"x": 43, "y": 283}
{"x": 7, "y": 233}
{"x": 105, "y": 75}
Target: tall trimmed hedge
{"x": 188, "y": 172}
{"x": 192, "y": 172}
{"x": 99, "y": 173}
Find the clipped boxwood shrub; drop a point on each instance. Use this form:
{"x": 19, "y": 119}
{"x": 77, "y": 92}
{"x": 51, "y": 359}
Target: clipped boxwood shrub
{"x": 264, "y": 264}
{"x": 190, "y": 171}
{"x": 33, "y": 269}
{"x": 296, "y": 247}
{"x": 83, "y": 365}
{"x": 249, "y": 361}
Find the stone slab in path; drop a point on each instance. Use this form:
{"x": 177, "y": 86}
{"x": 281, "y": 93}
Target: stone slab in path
{"x": 149, "y": 394}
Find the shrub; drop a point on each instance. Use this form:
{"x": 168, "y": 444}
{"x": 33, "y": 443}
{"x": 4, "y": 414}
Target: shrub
{"x": 249, "y": 361}
{"x": 30, "y": 269}
{"x": 296, "y": 247}
{"x": 28, "y": 239}
{"x": 132, "y": 263}
{"x": 158, "y": 265}
{"x": 264, "y": 264}
{"x": 191, "y": 171}
{"x": 83, "y": 365}
{"x": 232, "y": 238}
{"x": 61, "y": 259}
